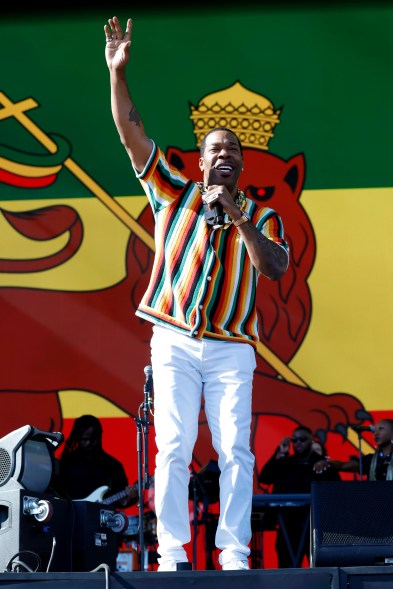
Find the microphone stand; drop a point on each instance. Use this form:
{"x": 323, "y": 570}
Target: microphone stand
{"x": 360, "y": 455}
{"x": 142, "y": 425}
{"x": 196, "y": 484}
{"x": 195, "y": 517}
{"x": 139, "y": 449}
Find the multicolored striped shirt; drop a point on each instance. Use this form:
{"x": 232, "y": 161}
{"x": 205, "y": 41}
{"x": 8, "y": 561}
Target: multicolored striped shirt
{"x": 202, "y": 282}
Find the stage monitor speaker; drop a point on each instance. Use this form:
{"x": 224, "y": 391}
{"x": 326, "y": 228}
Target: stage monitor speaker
{"x": 351, "y": 523}
{"x": 26, "y": 458}
{"x": 94, "y": 540}
{"x": 35, "y": 532}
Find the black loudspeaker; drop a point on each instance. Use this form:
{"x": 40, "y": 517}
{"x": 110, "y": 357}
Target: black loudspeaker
{"x": 40, "y": 531}
{"x": 96, "y": 535}
{"x": 34, "y": 532}
{"x": 34, "y": 525}
{"x": 26, "y": 458}
{"x": 351, "y": 523}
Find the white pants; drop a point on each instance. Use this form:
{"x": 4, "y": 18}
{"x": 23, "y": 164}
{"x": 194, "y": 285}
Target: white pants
{"x": 183, "y": 369}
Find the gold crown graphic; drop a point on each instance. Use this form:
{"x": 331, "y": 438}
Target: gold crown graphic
{"x": 250, "y": 115}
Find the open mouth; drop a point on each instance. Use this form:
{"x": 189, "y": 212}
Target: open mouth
{"x": 224, "y": 169}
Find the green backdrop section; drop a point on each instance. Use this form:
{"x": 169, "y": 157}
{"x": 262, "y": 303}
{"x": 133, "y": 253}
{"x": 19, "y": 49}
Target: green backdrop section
{"x": 329, "y": 68}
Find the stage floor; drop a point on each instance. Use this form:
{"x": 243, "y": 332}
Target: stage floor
{"x": 380, "y": 577}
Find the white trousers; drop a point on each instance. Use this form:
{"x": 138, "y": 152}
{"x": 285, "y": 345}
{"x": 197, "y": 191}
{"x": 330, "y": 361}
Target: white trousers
{"x": 183, "y": 369}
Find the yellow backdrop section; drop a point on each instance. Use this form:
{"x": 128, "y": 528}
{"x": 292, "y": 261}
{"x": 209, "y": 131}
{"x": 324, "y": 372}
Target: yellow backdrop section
{"x": 76, "y": 403}
{"x": 348, "y": 347}
{"x": 350, "y": 338}
{"x": 100, "y": 261}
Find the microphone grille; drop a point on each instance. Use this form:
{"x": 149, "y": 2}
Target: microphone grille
{"x": 148, "y": 370}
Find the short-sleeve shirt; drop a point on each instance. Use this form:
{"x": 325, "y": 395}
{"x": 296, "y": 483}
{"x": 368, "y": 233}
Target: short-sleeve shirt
{"x": 202, "y": 282}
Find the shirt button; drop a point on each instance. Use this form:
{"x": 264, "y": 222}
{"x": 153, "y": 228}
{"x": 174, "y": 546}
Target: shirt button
{"x": 201, "y": 306}
{"x": 195, "y": 333}
{"x": 209, "y": 278}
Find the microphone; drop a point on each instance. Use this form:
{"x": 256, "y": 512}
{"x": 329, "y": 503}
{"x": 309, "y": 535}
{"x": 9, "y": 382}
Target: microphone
{"x": 218, "y": 215}
{"x": 148, "y": 389}
{"x": 362, "y": 428}
{"x": 217, "y": 208}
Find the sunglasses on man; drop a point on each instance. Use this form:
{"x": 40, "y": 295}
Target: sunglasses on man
{"x": 299, "y": 439}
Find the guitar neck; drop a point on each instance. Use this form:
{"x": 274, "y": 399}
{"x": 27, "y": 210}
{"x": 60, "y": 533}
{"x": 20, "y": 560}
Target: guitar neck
{"x": 121, "y": 494}
{"x": 115, "y": 497}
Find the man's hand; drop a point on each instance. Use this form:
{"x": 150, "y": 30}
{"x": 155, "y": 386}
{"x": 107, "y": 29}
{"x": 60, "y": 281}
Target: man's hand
{"x": 322, "y": 465}
{"x": 283, "y": 448}
{"x": 117, "y": 51}
{"x": 219, "y": 194}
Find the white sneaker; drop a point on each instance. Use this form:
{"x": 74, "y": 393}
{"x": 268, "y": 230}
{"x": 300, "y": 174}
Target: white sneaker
{"x": 167, "y": 565}
{"x": 236, "y": 565}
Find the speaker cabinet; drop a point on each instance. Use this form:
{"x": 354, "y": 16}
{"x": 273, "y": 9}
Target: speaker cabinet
{"x": 34, "y": 531}
{"x": 26, "y": 458}
{"x": 93, "y": 542}
{"x": 351, "y": 523}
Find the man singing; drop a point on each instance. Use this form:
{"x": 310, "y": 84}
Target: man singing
{"x": 201, "y": 301}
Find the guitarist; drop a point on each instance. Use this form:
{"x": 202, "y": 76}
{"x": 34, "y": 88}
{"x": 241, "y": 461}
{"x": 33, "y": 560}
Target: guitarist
{"x": 84, "y": 466}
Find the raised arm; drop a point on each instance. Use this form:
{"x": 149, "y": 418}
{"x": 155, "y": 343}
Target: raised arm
{"x": 273, "y": 468}
{"x": 128, "y": 122}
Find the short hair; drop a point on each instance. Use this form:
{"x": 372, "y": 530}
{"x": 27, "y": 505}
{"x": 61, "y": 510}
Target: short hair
{"x": 303, "y": 428}
{"x": 387, "y": 420}
{"x": 203, "y": 143}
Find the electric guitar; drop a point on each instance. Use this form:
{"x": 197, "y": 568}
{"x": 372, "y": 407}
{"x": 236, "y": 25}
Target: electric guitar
{"x": 98, "y": 496}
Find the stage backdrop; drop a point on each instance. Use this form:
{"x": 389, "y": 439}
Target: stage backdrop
{"x": 309, "y": 91}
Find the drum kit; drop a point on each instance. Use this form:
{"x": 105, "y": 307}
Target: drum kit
{"x": 131, "y": 534}
{"x": 131, "y": 537}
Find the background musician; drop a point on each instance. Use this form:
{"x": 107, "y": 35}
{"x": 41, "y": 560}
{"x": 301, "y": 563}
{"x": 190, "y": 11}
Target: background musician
{"x": 84, "y": 466}
{"x": 292, "y": 472}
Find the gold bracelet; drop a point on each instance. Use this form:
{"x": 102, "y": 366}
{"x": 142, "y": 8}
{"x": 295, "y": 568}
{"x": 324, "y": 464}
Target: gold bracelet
{"x": 243, "y": 219}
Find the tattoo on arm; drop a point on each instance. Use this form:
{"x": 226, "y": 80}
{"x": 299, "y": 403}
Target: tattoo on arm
{"x": 277, "y": 253}
{"x": 134, "y": 117}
